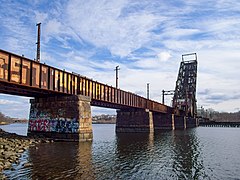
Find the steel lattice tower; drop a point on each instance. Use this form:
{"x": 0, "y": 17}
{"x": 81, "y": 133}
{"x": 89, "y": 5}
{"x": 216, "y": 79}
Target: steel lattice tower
{"x": 185, "y": 92}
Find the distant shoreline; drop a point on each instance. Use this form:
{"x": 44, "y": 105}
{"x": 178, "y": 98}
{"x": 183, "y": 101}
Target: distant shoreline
{"x": 18, "y": 121}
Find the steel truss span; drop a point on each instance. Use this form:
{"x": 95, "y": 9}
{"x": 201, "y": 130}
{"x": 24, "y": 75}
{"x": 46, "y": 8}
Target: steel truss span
{"x": 25, "y": 77}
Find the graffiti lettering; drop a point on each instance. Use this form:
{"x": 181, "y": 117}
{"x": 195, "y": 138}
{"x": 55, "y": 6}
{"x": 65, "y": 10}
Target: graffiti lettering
{"x": 43, "y": 121}
{"x": 54, "y": 125}
{"x": 35, "y": 114}
{"x": 39, "y": 125}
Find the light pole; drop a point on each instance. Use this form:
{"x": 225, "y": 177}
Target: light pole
{"x": 116, "y": 69}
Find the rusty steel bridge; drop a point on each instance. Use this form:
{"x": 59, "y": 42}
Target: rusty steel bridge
{"x": 25, "y": 77}
{"x": 61, "y": 107}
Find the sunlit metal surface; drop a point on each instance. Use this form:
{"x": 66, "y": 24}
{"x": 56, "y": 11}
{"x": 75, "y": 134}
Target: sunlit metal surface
{"x": 25, "y": 77}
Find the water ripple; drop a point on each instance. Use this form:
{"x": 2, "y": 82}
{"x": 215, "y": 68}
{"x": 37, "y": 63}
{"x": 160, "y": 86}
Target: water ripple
{"x": 200, "y": 153}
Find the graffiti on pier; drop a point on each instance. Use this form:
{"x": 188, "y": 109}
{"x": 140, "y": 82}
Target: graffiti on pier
{"x": 44, "y": 121}
{"x": 39, "y": 125}
{"x": 54, "y": 125}
{"x": 35, "y": 114}
{"x": 68, "y": 126}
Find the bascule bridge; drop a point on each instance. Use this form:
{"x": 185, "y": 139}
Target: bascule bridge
{"x": 61, "y": 104}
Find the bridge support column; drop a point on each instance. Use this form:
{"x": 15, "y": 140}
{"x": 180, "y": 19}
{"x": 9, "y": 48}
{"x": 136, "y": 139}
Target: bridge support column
{"x": 163, "y": 121}
{"x": 179, "y": 122}
{"x": 191, "y": 122}
{"x": 61, "y": 118}
{"x": 132, "y": 120}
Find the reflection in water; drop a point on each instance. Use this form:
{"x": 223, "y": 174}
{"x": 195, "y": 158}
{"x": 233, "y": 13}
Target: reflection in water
{"x": 163, "y": 154}
{"x": 151, "y": 140}
{"x": 67, "y": 160}
{"x": 132, "y": 155}
{"x": 187, "y": 161}
{"x": 60, "y": 160}
{"x": 200, "y": 153}
{"x": 58, "y": 153}
{"x": 84, "y": 166}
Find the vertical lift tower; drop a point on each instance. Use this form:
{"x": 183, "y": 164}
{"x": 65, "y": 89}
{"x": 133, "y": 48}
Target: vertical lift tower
{"x": 184, "y": 98}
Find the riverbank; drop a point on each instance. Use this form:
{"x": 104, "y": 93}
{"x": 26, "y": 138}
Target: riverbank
{"x": 11, "y": 148}
{"x": 17, "y": 121}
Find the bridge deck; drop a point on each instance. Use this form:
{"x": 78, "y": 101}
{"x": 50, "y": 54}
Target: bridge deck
{"x": 25, "y": 77}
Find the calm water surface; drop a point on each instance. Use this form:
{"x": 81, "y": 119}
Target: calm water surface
{"x": 199, "y": 153}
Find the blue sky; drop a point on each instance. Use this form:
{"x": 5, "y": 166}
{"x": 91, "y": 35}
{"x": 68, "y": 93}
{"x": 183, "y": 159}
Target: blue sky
{"x": 145, "y": 38}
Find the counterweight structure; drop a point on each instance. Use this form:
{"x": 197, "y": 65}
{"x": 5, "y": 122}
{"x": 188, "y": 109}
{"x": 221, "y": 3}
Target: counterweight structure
{"x": 185, "y": 92}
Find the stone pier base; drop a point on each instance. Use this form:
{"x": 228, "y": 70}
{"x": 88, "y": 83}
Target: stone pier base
{"x": 65, "y": 118}
{"x": 179, "y": 122}
{"x": 163, "y": 121}
{"x": 134, "y": 120}
{"x": 183, "y": 122}
{"x": 191, "y": 122}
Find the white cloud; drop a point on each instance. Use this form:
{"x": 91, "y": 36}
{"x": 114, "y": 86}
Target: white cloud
{"x": 14, "y": 106}
{"x": 52, "y": 28}
{"x": 5, "y": 101}
{"x": 40, "y": 17}
{"x": 103, "y": 25}
{"x": 146, "y": 38}
{"x": 164, "y": 56}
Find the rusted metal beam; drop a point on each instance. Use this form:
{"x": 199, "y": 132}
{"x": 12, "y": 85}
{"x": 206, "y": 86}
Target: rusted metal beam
{"x": 26, "y": 77}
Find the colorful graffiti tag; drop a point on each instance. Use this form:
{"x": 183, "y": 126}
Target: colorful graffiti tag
{"x": 35, "y": 114}
{"x": 39, "y": 125}
{"x": 42, "y": 121}
{"x": 54, "y": 125}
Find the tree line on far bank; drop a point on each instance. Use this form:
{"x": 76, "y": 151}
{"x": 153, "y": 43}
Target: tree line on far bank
{"x": 4, "y": 118}
{"x": 8, "y": 120}
{"x": 219, "y": 116}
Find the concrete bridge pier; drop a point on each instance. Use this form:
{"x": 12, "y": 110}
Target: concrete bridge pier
{"x": 138, "y": 120}
{"x": 134, "y": 120}
{"x": 65, "y": 118}
{"x": 163, "y": 121}
{"x": 183, "y": 122}
{"x": 191, "y": 122}
{"x": 180, "y": 122}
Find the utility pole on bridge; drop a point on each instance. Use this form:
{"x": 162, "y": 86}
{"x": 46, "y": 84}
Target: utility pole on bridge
{"x": 116, "y": 69}
{"x": 147, "y": 90}
{"x": 170, "y": 92}
{"x": 38, "y": 42}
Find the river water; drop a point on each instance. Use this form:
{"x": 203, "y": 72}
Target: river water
{"x": 198, "y": 153}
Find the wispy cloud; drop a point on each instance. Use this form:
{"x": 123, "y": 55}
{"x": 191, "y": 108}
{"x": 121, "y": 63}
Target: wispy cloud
{"x": 145, "y": 38}
{"x": 5, "y": 102}
{"x": 14, "y": 106}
